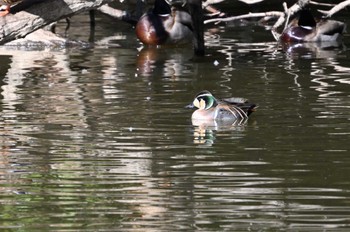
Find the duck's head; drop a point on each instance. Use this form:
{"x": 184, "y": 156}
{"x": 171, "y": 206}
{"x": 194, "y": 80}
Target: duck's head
{"x": 306, "y": 19}
{"x": 204, "y": 100}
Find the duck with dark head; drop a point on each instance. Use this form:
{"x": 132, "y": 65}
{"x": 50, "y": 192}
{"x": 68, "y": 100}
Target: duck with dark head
{"x": 173, "y": 22}
{"x": 164, "y": 25}
{"x": 306, "y": 28}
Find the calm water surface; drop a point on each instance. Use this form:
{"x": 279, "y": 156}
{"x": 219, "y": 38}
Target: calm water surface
{"x": 98, "y": 138}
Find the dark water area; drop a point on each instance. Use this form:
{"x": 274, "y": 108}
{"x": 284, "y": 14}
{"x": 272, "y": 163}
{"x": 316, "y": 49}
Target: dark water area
{"x": 98, "y": 139}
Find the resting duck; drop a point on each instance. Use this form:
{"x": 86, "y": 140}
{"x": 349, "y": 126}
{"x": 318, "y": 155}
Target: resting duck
{"x": 229, "y": 109}
{"x": 307, "y": 29}
{"x": 164, "y": 25}
{"x": 6, "y": 4}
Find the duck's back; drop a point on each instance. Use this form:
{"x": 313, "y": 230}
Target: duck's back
{"x": 241, "y": 103}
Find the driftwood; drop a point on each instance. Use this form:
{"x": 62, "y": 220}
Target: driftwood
{"x": 116, "y": 13}
{"x": 20, "y": 23}
{"x": 43, "y": 39}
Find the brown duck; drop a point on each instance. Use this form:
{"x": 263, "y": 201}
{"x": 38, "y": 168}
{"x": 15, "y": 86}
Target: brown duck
{"x": 307, "y": 29}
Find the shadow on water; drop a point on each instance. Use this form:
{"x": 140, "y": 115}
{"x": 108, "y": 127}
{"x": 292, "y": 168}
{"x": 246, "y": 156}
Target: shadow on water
{"x": 98, "y": 138}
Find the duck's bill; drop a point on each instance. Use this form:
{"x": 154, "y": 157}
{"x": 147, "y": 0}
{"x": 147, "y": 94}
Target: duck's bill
{"x": 189, "y": 106}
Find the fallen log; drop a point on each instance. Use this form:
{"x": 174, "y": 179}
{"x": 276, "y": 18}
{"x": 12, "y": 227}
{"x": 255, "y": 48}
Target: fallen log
{"x": 29, "y": 16}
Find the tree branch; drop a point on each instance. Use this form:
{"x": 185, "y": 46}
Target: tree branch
{"x": 335, "y": 9}
{"x": 18, "y": 25}
{"x": 321, "y": 3}
{"x": 245, "y": 16}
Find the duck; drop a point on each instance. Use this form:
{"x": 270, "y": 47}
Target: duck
{"x": 164, "y": 25}
{"x": 225, "y": 110}
{"x": 5, "y": 6}
{"x": 306, "y": 29}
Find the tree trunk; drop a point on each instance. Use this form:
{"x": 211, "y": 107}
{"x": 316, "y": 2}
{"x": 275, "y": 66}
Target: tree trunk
{"x": 31, "y": 15}
{"x": 196, "y": 12}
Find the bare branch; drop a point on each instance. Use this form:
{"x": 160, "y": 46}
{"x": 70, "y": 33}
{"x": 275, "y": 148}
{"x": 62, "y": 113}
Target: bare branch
{"x": 250, "y": 15}
{"x": 335, "y": 9}
{"x": 321, "y": 4}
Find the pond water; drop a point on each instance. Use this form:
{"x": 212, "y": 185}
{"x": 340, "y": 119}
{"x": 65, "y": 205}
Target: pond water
{"x": 98, "y": 139}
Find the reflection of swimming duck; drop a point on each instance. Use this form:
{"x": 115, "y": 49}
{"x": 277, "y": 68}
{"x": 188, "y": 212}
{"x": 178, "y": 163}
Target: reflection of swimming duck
{"x": 5, "y": 8}
{"x": 306, "y": 29}
{"x": 164, "y": 25}
{"x": 162, "y": 61}
{"x": 229, "y": 109}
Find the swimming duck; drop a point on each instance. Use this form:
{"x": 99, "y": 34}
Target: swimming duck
{"x": 307, "y": 29}
{"x": 164, "y": 25}
{"x": 5, "y": 8}
{"x": 228, "y": 109}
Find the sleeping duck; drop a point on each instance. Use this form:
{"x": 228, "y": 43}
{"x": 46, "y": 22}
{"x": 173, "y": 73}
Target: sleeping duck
{"x": 306, "y": 29}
